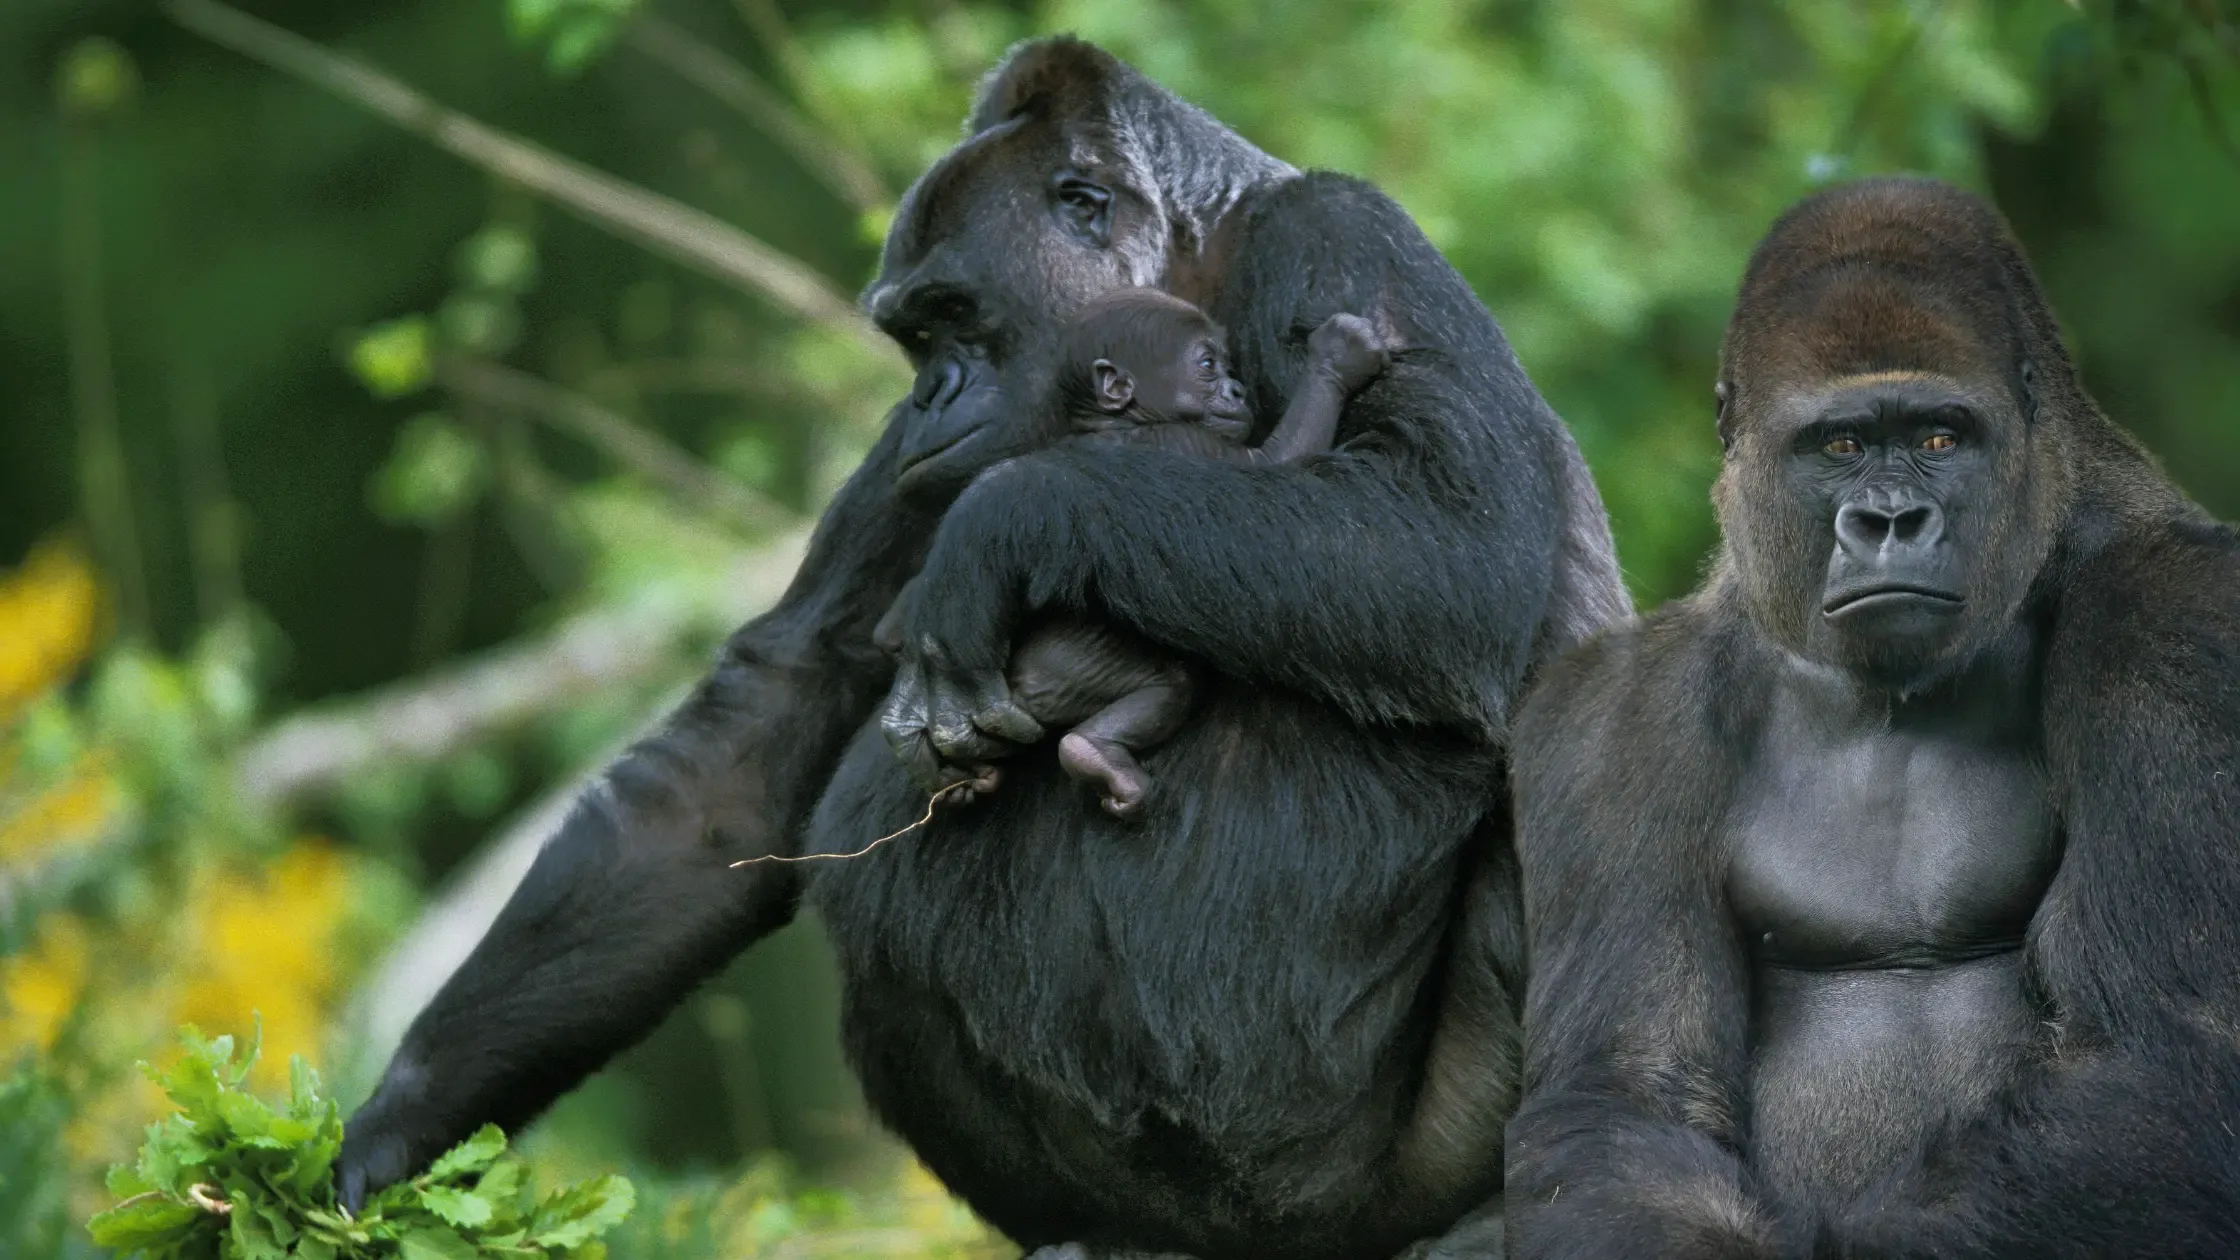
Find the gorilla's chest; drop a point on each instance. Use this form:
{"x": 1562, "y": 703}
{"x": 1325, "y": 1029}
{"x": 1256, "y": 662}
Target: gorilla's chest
{"x": 1889, "y": 848}
{"x": 1886, "y": 868}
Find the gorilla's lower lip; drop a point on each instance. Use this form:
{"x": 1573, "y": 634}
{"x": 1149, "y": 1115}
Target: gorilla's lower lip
{"x": 913, "y": 461}
{"x": 1887, "y": 596}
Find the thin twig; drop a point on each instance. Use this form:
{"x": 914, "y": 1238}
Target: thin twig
{"x": 667, "y": 227}
{"x": 104, "y": 475}
{"x": 932, "y": 803}
{"x": 705, "y": 490}
{"x": 834, "y": 163}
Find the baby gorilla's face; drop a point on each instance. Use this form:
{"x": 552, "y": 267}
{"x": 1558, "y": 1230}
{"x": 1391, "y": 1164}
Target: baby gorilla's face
{"x": 1202, "y": 388}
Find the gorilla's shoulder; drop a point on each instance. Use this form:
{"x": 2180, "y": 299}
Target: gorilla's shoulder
{"x": 1659, "y": 666}
{"x": 2158, "y": 607}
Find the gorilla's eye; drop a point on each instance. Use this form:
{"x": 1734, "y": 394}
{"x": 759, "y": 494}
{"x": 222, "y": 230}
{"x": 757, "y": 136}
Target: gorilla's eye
{"x": 1939, "y": 442}
{"x": 1843, "y": 446}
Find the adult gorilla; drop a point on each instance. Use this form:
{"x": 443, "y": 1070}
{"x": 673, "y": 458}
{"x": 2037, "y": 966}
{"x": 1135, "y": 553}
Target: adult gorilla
{"x": 1277, "y": 1015}
{"x": 1883, "y": 892}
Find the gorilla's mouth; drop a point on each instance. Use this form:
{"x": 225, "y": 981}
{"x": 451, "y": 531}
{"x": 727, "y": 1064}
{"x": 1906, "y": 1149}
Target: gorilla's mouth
{"x": 1889, "y": 595}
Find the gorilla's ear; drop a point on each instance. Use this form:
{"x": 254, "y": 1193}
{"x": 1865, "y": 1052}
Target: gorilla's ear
{"x": 1060, "y": 77}
{"x": 1722, "y": 392}
{"x": 2029, "y": 375}
{"x": 1113, "y": 387}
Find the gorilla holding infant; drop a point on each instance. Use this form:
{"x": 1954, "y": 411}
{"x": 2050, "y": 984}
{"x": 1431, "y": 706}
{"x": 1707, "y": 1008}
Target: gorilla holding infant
{"x": 1275, "y": 1013}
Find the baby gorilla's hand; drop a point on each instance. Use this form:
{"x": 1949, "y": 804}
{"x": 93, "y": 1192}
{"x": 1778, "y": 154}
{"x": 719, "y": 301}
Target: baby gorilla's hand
{"x": 1349, "y": 348}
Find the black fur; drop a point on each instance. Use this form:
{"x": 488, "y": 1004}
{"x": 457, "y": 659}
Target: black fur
{"x": 2111, "y": 1132}
{"x": 1275, "y": 1017}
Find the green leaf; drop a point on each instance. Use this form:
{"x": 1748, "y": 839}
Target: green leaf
{"x": 581, "y": 1213}
{"x": 463, "y": 1208}
{"x": 252, "y": 1236}
{"x": 314, "y": 1249}
{"x": 436, "y": 470}
{"x": 395, "y": 359}
{"x": 501, "y": 1188}
{"x": 146, "y": 1223}
{"x": 473, "y": 1155}
{"x": 500, "y": 258}
{"x": 434, "y": 1243}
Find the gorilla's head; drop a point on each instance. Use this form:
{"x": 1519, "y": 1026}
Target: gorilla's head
{"x": 1077, "y": 176}
{"x": 1903, "y": 430}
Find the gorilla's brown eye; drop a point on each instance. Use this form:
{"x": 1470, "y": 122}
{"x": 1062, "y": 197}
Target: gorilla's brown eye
{"x": 1843, "y": 446}
{"x": 1939, "y": 442}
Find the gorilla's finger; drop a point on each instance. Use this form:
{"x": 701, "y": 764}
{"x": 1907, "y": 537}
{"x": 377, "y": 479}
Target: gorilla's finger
{"x": 903, "y": 720}
{"x": 370, "y": 1160}
{"x": 1003, "y": 718}
{"x": 953, "y": 712}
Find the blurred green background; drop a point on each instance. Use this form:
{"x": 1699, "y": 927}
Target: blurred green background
{"x": 367, "y": 473}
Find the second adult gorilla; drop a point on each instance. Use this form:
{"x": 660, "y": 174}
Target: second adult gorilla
{"x": 1884, "y": 893}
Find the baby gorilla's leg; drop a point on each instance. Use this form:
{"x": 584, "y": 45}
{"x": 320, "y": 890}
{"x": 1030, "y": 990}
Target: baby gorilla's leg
{"x": 1102, "y": 749}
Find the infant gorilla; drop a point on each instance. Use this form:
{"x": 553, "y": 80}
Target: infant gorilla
{"x": 1145, "y": 367}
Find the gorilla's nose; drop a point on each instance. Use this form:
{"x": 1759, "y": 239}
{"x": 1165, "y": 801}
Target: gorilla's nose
{"x": 938, "y": 384}
{"x": 1879, "y": 533}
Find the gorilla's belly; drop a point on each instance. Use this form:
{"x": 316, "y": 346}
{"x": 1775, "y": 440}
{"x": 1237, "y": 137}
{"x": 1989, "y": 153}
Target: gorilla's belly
{"x": 1853, "y": 1067}
{"x": 1885, "y": 874}
{"x": 1214, "y": 1016}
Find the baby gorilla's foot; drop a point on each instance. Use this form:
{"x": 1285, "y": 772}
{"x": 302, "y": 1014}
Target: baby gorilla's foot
{"x": 1110, "y": 767}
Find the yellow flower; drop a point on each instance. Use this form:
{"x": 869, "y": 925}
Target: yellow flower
{"x": 73, "y": 810}
{"x": 39, "y": 987}
{"x": 48, "y": 610}
{"x": 264, "y": 944}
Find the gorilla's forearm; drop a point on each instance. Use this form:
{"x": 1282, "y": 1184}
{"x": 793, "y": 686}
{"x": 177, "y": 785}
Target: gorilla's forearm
{"x": 634, "y": 901}
{"x": 1339, "y": 579}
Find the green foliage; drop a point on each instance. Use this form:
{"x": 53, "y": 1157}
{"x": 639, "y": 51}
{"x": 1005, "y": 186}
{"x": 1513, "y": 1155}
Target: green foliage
{"x": 396, "y": 358}
{"x": 97, "y": 78}
{"x": 436, "y": 470}
{"x": 229, "y": 1177}
{"x": 34, "y": 1218}
{"x": 573, "y": 32}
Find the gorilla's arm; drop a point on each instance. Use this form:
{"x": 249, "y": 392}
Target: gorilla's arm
{"x": 1403, "y": 578}
{"x": 1636, "y": 1012}
{"x": 2132, "y": 1129}
{"x": 633, "y": 901}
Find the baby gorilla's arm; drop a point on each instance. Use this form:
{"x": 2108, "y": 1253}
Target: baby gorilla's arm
{"x": 1342, "y": 356}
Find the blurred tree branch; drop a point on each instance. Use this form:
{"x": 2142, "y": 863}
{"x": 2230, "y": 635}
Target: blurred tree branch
{"x": 667, "y": 227}
{"x": 435, "y": 715}
{"x": 836, "y": 164}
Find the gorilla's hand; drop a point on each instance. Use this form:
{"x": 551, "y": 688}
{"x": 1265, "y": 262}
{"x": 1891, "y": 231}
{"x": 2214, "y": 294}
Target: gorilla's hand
{"x": 947, "y": 717}
{"x": 387, "y": 1140}
{"x": 1350, "y": 349}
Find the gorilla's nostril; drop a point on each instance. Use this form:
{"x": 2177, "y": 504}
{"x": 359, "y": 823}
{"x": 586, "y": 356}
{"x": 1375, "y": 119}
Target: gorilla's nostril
{"x": 1910, "y": 525}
